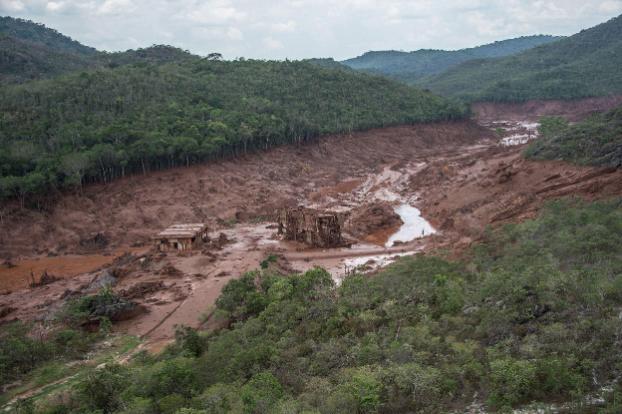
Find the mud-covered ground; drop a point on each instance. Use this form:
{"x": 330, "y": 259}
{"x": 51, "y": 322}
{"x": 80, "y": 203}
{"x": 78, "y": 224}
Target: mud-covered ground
{"x": 461, "y": 177}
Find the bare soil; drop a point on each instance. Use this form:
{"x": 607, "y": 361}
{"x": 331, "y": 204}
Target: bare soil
{"x": 458, "y": 174}
{"x": 534, "y": 110}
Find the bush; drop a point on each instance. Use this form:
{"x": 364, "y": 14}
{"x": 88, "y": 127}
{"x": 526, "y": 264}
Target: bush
{"x": 261, "y": 393}
{"x": 512, "y": 382}
{"x": 102, "y": 388}
{"x": 20, "y": 352}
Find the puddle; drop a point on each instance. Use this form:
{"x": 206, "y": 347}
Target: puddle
{"x": 520, "y": 132}
{"x": 374, "y": 261}
{"x": 414, "y": 226}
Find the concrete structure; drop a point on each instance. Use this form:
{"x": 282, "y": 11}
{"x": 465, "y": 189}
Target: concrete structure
{"x": 313, "y": 227}
{"x": 181, "y": 237}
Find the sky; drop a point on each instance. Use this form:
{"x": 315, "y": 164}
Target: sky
{"x": 295, "y": 29}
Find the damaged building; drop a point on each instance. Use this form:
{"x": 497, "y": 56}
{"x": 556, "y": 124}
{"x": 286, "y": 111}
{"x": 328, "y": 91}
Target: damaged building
{"x": 313, "y": 227}
{"x": 181, "y": 237}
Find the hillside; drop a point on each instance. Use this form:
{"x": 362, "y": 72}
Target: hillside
{"x": 412, "y": 66}
{"x": 584, "y": 65}
{"x": 530, "y": 315}
{"x": 596, "y": 141}
{"x": 100, "y": 125}
{"x": 22, "y": 61}
{"x": 30, "y": 51}
{"x": 39, "y": 34}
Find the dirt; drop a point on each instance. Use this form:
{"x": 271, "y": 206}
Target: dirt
{"x": 461, "y": 196}
{"x": 374, "y": 222}
{"x": 18, "y": 276}
{"x": 461, "y": 176}
{"x": 131, "y": 210}
{"x": 534, "y": 110}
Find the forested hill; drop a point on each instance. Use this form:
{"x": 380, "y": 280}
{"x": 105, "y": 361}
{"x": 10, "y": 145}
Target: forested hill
{"x": 99, "y": 125}
{"x": 30, "y": 51}
{"x": 586, "y": 64}
{"x": 39, "y": 34}
{"x": 412, "y": 66}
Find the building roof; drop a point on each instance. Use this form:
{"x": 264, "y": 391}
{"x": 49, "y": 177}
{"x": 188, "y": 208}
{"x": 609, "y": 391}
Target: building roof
{"x": 181, "y": 231}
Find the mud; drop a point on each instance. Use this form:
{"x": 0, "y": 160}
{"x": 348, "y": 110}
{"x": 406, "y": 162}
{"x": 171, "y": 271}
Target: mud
{"x": 533, "y": 110}
{"x": 461, "y": 177}
{"x": 374, "y": 222}
{"x": 130, "y": 211}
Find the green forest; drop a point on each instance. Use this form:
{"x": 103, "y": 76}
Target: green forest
{"x": 99, "y": 125}
{"x": 595, "y": 141}
{"x": 31, "y": 51}
{"x": 584, "y": 65}
{"x": 411, "y": 67}
{"x": 529, "y": 314}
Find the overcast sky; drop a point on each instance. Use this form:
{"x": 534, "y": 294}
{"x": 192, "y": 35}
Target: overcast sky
{"x": 278, "y": 29}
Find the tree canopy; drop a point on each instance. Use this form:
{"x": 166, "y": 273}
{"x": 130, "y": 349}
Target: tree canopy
{"x": 411, "y": 67}
{"x": 98, "y": 125}
{"x": 584, "y": 65}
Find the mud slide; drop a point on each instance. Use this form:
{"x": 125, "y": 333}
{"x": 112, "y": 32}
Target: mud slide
{"x": 408, "y": 189}
{"x": 534, "y": 110}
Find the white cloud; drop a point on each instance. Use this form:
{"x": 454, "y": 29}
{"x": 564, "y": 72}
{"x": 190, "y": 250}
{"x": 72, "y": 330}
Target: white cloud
{"x": 11, "y": 5}
{"x": 54, "y": 5}
{"x": 284, "y": 27}
{"x": 272, "y": 43}
{"x": 611, "y": 6}
{"x": 116, "y": 7}
{"x": 234, "y": 33}
{"x": 308, "y": 28}
{"x": 213, "y": 12}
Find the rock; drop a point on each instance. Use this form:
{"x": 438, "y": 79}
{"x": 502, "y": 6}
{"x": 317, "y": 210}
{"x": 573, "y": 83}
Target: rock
{"x": 103, "y": 280}
{"x": 372, "y": 218}
{"x": 468, "y": 310}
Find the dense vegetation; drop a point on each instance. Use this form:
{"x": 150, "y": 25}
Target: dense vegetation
{"x": 532, "y": 315}
{"x": 39, "y": 34}
{"x": 96, "y": 126}
{"x": 596, "y": 141}
{"x": 411, "y": 67}
{"x": 586, "y": 64}
{"x": 30, "y": 51}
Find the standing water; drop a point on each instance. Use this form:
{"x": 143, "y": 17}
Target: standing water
{"x": 414, "y": 225}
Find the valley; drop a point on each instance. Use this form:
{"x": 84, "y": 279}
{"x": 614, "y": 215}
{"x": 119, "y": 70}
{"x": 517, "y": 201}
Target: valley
{"x": 460, "y": 175}
{"x": 240, "y": 227}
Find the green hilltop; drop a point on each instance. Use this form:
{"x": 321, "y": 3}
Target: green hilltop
{"x": 411, "y": 67}
{"x": 584, "y": 65}
{"x": 98, "y": 125}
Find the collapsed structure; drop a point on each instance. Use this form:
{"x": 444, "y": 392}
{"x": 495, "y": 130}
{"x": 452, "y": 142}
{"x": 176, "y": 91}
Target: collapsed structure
{"x": 313, "y": 227}
{"x": 181, "y": 237}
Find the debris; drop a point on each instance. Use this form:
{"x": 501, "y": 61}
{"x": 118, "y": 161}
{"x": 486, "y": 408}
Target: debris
{"x": 170, "y": 270}
{"x": 313, "y": 227}
{"x": 102, "y": 280}
{"x": 45, "y": 279}
{"x": 95, "y": 242}
{"x": 373, "y": 218}
{"x": 6, "y": 310}
{"x": 142, "y": 289}
{"x": 8, "y": 264}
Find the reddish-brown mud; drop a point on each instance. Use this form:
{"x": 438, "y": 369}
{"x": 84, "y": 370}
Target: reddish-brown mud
{"x": 458, "y": 174}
